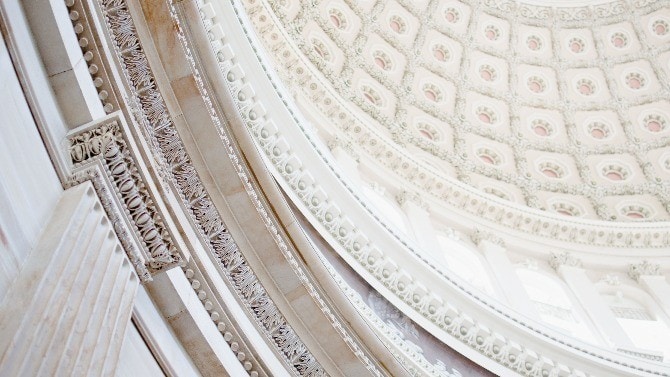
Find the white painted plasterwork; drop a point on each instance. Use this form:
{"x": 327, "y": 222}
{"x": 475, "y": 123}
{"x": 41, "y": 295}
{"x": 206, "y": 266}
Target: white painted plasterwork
{"x": 380, "y": 268}
{"x": 446, "y": 195}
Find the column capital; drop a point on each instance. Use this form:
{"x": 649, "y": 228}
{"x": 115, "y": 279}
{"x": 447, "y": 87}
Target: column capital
{"x": 344, "y": 145}
{"x": 478, "y": 236}
{"x": 556, "y": 260}
{"x": 413, "y": 197}
{"x": 635, "y": 271}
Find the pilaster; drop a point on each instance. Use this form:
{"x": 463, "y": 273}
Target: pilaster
{"x": 420, "y": 223}
{"x": 650, "y": 277}
{"x": 570, "y": 270}
{"x": 505, "y": 277}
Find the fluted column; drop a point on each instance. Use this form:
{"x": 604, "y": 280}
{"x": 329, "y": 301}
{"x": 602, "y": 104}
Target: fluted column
{"x": 570, "y": 270}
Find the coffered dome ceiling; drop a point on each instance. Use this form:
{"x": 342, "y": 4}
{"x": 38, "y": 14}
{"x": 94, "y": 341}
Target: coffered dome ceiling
{"x": 562, "y": 109}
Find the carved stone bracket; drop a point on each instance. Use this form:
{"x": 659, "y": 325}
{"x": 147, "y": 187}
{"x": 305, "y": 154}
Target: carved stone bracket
{"x": 105, "y": 145}
{"x": 557, "y": 260}
{"x": 643, "y": 268}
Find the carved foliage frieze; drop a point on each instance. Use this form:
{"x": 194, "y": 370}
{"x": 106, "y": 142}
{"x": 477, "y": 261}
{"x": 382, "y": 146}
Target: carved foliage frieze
{"x": 105, "y": 143}
{"x": 152, "y": 112}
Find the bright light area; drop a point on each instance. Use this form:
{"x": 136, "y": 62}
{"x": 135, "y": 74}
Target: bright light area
{"x": 390, "y": 214}
{"x": 643, "y": 329}
{"x": 553, "y": 304}
{"x": 464, "y": 262}
{"x": 648, "y": 335}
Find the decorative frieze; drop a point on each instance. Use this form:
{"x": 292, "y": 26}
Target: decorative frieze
{"x": 152, "y": 112}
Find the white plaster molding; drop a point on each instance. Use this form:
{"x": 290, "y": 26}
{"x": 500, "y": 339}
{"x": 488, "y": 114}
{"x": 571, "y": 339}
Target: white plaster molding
{"x": 557, "y": 260}
{"x": 449, "y": 195}
{"x": 106, "y": 141}
{"x": 645, "y": 268}
{"x": 339, "y": 228}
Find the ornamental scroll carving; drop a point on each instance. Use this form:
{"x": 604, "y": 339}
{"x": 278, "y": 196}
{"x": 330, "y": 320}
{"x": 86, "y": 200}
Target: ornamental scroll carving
{"x": 105, "y": 144}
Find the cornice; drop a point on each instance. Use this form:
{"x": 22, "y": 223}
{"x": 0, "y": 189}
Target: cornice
{"x": 100, "y": 144}
{"x": 241, "y": 94}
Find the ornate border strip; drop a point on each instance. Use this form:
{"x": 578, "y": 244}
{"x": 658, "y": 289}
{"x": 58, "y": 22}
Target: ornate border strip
{"x": 101, "y": 155}
{"x": 200, "y": 207}
{"x": 573, "y": 16}
{"x": 239, "y": 97}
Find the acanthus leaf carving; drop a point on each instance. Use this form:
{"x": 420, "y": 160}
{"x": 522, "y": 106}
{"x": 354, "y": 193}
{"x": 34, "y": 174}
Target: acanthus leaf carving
{"x": 556, "y": 260}
{"x": 478, "y": 235}
{"x": 644, "y": 268}
{"x": 105, "y": 143}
